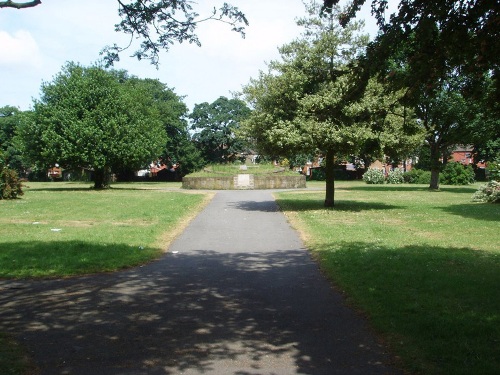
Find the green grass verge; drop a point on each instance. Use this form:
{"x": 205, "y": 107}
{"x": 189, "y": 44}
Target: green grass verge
{"x": 423, "y": 266}
{"x": 66, "y": 229}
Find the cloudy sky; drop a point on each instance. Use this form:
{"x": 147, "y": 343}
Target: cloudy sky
{"x": 36, "y": 42}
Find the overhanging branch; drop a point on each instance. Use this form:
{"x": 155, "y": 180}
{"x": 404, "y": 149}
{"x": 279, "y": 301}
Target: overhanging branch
{"x": 16, "y": 5}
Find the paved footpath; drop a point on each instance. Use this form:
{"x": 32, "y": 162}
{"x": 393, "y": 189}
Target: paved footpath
{"x": 237, "y": 294}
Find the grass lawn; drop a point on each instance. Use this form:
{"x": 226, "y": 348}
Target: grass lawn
{"x": 65, "y": 229}
{"x": 423, "y": 266}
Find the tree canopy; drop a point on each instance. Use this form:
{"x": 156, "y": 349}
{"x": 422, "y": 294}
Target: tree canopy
{"x": 307, "y": 102}
{"x": 158, "y": 24}
{"x": 93, "y": 118}
{"x": 216, "y": 126}
{"x": 435, "y": 39}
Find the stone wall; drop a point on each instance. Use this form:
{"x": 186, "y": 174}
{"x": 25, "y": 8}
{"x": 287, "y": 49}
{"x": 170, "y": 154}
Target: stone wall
{"x": 245, "y": 182}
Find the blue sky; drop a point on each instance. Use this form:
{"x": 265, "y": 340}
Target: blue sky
{"x": 36, "y": 42}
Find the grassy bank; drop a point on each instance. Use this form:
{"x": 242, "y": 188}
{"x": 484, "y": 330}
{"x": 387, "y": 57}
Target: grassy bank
{"x": 65, "y": 229}
{"x": 423, "y": 266}
{"x": 233, "y": 169}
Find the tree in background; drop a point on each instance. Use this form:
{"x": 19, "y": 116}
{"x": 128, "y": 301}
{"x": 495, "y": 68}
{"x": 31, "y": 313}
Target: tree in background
{"x": 179, "y": 152}
{"x": 10, "y": 118}
{"x": 89, "y": 118}
{"x": 304, "y": 103}
{"x": 441, "y": 53}
{"x": 216, "y": 126}
{"x": 158, "y": 24}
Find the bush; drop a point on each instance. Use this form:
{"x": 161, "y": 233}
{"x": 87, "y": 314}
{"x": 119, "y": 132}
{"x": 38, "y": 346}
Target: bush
{"x": 10, "y": 184}
{"x": 493, "y": 169}
{"x": 417, "y": 176}
{"x": 489, "y": 193}
{"x": 457, "y": 174}
{"x": 374, "y": 176}
{"x": 395, "y": 177}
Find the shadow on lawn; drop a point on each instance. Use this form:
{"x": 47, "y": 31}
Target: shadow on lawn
{"x": 188, "y": 312}
{"x": 439, "y": 304}
{"x": 413, "y": 187}
{"x": 340, "y": 205}
{"x": 477, "y": 211}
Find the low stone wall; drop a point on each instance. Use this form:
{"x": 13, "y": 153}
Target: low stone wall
{"x": 245, "y": 182}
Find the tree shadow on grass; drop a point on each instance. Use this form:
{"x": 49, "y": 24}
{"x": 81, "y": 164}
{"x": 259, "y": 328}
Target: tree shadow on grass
{"x": 413, "y": 187}
{"x": 340, "y": 205}
{"x": 388, "y": 187}
{"x": 434, "y": 302}
{"x": 202, "y": 311}
{"x": 477, "y": 211}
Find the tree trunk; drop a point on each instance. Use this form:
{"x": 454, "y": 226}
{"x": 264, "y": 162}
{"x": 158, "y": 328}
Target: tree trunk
{"x": 330, "y": 179}
{"x": 435, "y": 167}
{"x": 101, "y": 178}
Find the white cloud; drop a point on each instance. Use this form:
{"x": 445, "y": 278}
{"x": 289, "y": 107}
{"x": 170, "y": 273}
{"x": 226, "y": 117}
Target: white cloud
{"x": 19, "y": 48}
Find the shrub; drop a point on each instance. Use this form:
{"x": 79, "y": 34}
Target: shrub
{"x": 417, "y": 176}
{"x": 10, "y": 184}
{"x": 457, "y": 174}
{"x": 489, "y": 193}
{"x": 374, "y": 176}
{"x": 494, "y": 170}
{"x": 395, "y": 176}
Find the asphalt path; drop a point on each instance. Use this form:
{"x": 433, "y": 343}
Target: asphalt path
{"x": 237, "y": 293}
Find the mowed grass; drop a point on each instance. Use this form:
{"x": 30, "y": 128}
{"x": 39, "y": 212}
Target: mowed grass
{"x": 67, "y": 229}
{"x": 424, "y": 267}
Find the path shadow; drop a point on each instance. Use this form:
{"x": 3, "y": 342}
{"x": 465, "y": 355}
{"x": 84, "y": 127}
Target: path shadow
{"x": 193, "y": 312}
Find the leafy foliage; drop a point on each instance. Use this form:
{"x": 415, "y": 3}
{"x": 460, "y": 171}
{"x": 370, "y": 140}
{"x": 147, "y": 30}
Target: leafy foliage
{"x": 457, "y": 174}
{"x": 417, "y": 176}
{"x": 10, "y": 184}
{"x": 216, "y": 126}
{"x": 434, "y": 38}
{"x": 10, "y": 118}
{"x": 488, "y": 193}
{"x": 161, "y": 23}
{"x": 395, "y": 176}
{"x": 374, "y": 176}
{"x": 494, "y": 170}
{"x": 95, "y": 119}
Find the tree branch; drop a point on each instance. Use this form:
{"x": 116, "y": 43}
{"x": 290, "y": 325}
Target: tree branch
{"x": 12, "y": 4}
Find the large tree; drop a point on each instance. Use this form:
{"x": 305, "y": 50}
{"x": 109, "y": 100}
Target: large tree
{"x": 158, "y": 24}
{"x": 302, "y": 104}
{"x": 89, "y": 117}
{"x": 180, "y": 150}
{"x": 216, "y": 126}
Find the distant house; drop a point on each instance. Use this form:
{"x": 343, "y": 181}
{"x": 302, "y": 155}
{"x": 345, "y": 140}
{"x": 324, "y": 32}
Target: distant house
{"x": 55, "y": 172}
{"x": 464, "y": 154}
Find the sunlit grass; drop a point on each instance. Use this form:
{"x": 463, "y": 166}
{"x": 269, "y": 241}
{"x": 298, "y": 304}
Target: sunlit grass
{"x": 424, "y": 266}
{"x": 64, "y": 229}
